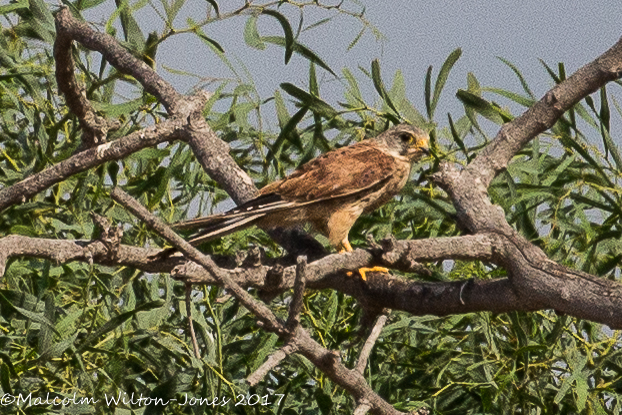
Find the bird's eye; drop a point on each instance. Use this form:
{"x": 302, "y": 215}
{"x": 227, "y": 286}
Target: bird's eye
{"x": 406, "y": 138}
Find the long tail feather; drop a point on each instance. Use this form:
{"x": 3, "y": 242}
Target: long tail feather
{"x": 223, "y": 228}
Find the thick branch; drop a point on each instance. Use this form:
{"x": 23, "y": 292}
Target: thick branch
{"x": 532, "y": 275}
{"x": 381, "y": 290}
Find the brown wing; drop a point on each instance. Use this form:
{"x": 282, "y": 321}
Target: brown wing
{"x": 336, "y": 173}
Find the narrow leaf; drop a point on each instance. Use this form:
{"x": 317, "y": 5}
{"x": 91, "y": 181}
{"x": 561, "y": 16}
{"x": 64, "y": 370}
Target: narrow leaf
{"x": 379, "y": 85}
{"x": 315, "y": 104}
{"x": 215, "y": 6}
{"x": 131, "y": 30}
{"x": 485, "y": 108}
{"x": 251, "y": 35}
{"x": 116, "y": 321}
{"x": 287, "y": 30}
{"x": 456, "y": 137}
{"x": 428, "y": 92}
{"x": 301, "y": 50}
{"x": 520, "y": 77}
{"x": 442, "y": 78}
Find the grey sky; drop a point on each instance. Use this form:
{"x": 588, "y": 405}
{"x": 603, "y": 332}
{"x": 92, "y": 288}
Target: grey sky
{"x": 418, "y": 34}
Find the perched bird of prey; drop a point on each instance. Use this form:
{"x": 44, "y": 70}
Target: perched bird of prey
{"x": 330, "y": 192}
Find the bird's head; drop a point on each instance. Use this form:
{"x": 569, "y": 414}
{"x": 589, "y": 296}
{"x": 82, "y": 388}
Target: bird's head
{"x": 407, "y": 141}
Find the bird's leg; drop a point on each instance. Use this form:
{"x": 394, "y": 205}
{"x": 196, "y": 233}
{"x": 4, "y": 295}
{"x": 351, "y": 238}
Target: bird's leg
{"x": 344, "y": 246}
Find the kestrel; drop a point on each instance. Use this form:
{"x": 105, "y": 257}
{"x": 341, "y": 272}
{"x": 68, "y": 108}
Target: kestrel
{"x": 330, "y": 192}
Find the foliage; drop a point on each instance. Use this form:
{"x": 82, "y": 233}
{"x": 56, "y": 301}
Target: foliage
{"x": 97, "y": 331}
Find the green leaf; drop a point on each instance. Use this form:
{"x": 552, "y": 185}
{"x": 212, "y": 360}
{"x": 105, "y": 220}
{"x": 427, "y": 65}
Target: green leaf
{"x": 251, "y": 35}
{"x": 457, "y": 138}
{"x": 215, "y": 6}
{"x": 519, "y": 99}
{"x": 173, "y": 10}
{"x": 309, "y": 101}
{"x": 428, "y": 92}
{"x": 287, "y": 30}
{"x": 131, "y": 30}
{"x": 8, "y": 8}
{"x": 551, "y": 73}
{"x": 357, "y": 38}
{"x": 406, "y": 108}
{"x": 5, "y": 378}
{"x": 209, "y": 41}
{"x": 520, "y": 78}
{"x": 379, "y": 85}
{"x": 300, "y": 50}
{"x": 116, "y": 321}
{"x": 36, "y": 317}
{"x": 42, "y": 21}
{"x": 313, "y": 85}
{"x": 483, "y": 107}
{"x": 605, "y": 118}
{"x": 442, "y": 78}
{"x": 288, "y": 132}
{"x": 116, "y": 110}
{"x": 324, "y": 401}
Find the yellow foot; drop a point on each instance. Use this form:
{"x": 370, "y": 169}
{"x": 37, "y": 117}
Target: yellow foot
{"x": 363, "y": 271}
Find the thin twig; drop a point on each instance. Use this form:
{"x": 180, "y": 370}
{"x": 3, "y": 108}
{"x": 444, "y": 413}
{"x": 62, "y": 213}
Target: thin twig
{"x": 193, "y": 336}
{"x": 295, "y": 307}
{"x": 276, "y": 358}
{"x": 361, "y": 364}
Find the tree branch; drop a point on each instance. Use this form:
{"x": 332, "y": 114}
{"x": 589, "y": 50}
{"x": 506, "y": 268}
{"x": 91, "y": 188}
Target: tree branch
{"x": 361, "y": 363}
{"x": 169, "y": 130}
{"x": 325, "y": 360}
{"x": 544, "y": 114}
{"x": 69, "y": 28}
{"x": 94, "y": 127}
{"x": 272, "y": 362}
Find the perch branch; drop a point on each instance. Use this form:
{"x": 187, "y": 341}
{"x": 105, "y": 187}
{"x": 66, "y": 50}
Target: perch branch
{"x": 325, "y": 360}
